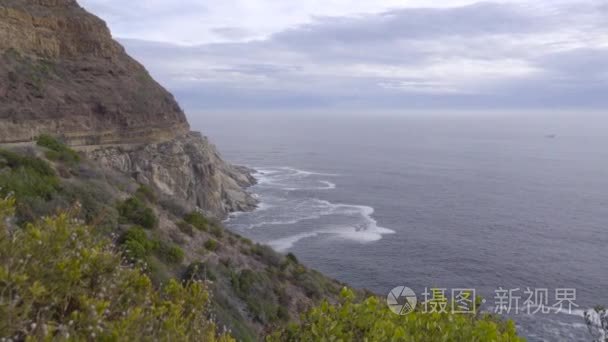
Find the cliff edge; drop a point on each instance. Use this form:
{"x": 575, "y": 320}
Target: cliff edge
{"x": 63, "y": 74}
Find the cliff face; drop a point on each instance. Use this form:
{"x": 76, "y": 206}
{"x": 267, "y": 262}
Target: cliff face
{"x": 63, "y": 74}
{"x": 187, "y": 168}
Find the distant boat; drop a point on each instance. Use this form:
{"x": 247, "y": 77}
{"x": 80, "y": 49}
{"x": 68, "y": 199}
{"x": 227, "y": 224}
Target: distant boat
{"x": 550, "y": 136}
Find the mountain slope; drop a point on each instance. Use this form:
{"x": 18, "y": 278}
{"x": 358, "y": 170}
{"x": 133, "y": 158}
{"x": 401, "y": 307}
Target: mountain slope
{"x": 64, "y": 75}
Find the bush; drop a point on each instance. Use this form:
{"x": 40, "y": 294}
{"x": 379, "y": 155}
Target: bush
{"x": 95, "y": 201}
{"x": 267, "y": 255}
{"x": 169, "y": 252}
{"x": 217, "y": 231}
{"x": 372, "y": 320}
{"x": 197, "y": 220}
{"x": 211, "y": 245}
{"x": 27, "y": 176}
{"x": 185, "y": 228}
{"x": 32, "y": 181}
{"x": 199, "y": 271}
{"x": 257, "y": 291}
{"x": 57, "y": 150}
{"x": 292, "y": 258}
{"x": 135, "y": 211}
{"x": 136, "y": 244}
{"x": 145, "y": 193}
{"x": 71, "y": 285}
{"x": 14, "y": 161}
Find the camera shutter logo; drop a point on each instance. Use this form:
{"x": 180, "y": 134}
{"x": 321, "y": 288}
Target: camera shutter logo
{"x": 402, "y": 300}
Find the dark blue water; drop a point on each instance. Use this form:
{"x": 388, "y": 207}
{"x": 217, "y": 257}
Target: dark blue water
{"x": 452, "y": 201}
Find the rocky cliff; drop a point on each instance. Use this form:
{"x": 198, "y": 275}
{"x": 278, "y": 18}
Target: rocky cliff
{"x": 187, "y": 168}
{"x": 63, "y": 74}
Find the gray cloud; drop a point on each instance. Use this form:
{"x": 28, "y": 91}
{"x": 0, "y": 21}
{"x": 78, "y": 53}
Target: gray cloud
{"x": 232, "y": 33}
{"x": 483, "y": 55}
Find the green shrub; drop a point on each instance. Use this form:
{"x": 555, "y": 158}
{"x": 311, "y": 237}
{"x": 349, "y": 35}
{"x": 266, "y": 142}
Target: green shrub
{"x": 57, "y": 150}
{"x": 32, "y": 181}
{"x": 135, "y": 211}
{"x": 211, "y": 245}
{"x": 27, "y": 182}
{"x": 27, "y": 176}
{"x": 292, "y": 258}
{"x": 185, "y": 228}
{"x": 71, "y": 286}
{"x": 145, "y": 193}
{"x": 217, "y": 231}
{"x": 267, "y": 255}
{"x": 257, "y": 291}
{"x": 95, "y": 200}
{"x": 169, "y": 252}
{"x": 197, "y": 220}
{"x": 372, "y": 320}
{"x": 14, "y": 160}
{"x": 136, "y": 244}
{"x": 199, "y": 271}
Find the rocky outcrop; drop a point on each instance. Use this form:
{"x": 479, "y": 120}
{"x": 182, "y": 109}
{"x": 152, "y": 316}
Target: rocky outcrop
{"x": 597, "y": 322}
{"x": 187, "y": 168}
{"x": 62, "y": 73}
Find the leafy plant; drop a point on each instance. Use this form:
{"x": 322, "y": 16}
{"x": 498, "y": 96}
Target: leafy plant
{"x": 133, "y": 210}
{"x": 57, "y": 150}
{"x": 372, "y": 320}
{"x": 59, "y": 281}
{"x": 136, "y": 244}
{"x": 145, "y": 193}
{"x": 200, "y": 271}
{"x": 197, "y": 220}
{"x": 31, "y": 180}
{"x": 211, "y": 245}
{"x": 292, "y": 258}
{"x": 217, "y": 231}
{"x": 169, "y": 252}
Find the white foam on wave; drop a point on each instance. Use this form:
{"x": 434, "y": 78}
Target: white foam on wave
{"x": 284, "y": 244}
{"x": 290, "y": 178}
{"x": 364, "y": 232}
{"x": 279, "y": 210}
{"x": 326, "y": 186}
{"x": 314, "y": 209}
{"x": 306, "y": 173}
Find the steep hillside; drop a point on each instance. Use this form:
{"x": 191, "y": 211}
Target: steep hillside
{"x": 254, "y": 289}
{"x": 63, "y": 74}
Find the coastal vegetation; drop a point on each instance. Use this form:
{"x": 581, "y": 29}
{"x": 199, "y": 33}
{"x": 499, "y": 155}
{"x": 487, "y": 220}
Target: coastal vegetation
{"x": 76, "y": 262}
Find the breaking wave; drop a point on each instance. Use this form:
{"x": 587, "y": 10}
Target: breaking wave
{"x": 287, "y": 198}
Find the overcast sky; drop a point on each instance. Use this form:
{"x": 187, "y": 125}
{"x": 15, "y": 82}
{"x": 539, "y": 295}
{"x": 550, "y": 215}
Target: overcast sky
{"x": 390, "y": 54}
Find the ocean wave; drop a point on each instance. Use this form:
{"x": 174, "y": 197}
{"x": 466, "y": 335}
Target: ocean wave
{"x": 291, "y": 179}
{"x": 367, "y": 230}
{"x": 280, "y": 208}
{"x": 326, "y": 186}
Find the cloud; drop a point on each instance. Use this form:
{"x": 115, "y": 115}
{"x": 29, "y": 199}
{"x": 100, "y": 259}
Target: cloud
{"x": 483, "y": 55}
{"x": 232, "y": 33}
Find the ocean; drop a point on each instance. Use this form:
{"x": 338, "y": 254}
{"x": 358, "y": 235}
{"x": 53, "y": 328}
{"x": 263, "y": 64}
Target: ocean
{"x": 482, "y": 201}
